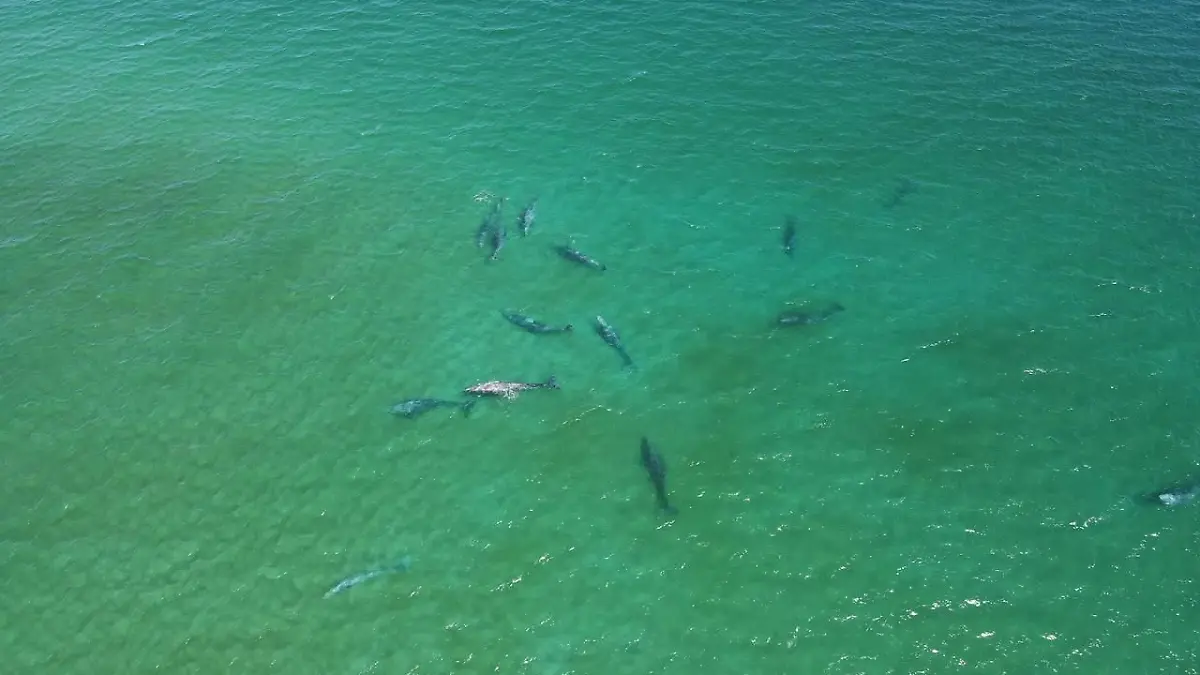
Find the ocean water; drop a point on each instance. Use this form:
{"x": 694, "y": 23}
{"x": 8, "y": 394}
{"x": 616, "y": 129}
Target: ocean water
{"x": 233, "y": 234}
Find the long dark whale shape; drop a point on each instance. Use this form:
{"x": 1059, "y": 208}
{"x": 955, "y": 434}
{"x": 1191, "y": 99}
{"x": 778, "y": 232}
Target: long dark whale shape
{"x": 613, "y": 339}
{"x": 656, "y": 467}
{"x": 789, "y": 236}
{"x": 499, "y": 236}
{"x": 903, "y": 189}
{"x": 569, "y": 253}
{"x": 415, "y": 407}
{"x": 809, "y": 317}
{"x": 490, "y": 222}
{"x": 527, "y": 216}
{"x": 533, "y": 325}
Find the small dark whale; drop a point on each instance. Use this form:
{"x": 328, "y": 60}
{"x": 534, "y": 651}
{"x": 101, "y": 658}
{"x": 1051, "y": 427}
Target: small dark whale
{"x": 481, "y": 236}
{"x": 533, "y": 325}
{"x": 808, "y": 317}
{"x": 789, "y": 236}
{"x": 573, "y": 255}
{"x": 613, "y": 339}
{"x": 415, "y": 407}
{"x": 1176, "y": 495}
{"x": 528, "y": 214}
{"x": 490, "y": 221}
{"x": 903, "y": 189}
{"x": 657, "y": 468}
{"x": 498, "y": 238}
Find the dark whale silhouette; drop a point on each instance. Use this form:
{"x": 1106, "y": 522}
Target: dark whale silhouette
{"x": 808, "y": 317}
{"x": 569, "y": 253}
{"x": 789, "y": 236}
{"x": 415, "y": 407}
{"x": 533, "y": 325}
{"x": 490, "y": 222}
{"x": 903, "y": 189}
{"x": 613, "y": 340}
{"x": 656, "y": 467}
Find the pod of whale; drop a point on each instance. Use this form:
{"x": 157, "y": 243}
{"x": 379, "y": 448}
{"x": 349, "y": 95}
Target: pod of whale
{"x": 492, "y": 232}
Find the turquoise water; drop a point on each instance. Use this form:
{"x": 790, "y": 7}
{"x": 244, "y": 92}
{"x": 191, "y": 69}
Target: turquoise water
{"x": 231, "y": 236}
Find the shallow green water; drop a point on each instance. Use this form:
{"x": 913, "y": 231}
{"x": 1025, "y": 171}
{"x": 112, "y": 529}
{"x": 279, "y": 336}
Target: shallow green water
{"x": 231, "y": 237}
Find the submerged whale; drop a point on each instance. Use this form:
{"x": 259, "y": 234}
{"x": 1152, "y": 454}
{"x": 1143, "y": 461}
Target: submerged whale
{"x": 656, "y": 467}
{"x": 1176, "y": 495}
{"x": 415, "y": 407}
{"x": 533, "y": 325}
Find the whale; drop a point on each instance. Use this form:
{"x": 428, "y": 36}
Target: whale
{"x": 656, "y": 468}
{"x": 567, "y": 252}
{"x": 509, "y": 390}
{"x": 527, "y": 216}
{"x": 1175, "y": 495}
{"x": 789, "y": 236}
{"x": 532, "y": 325}
{"x": 415, "y": 407}
{"x": 809, "y": 317}
{"x": 613, "y": 339}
